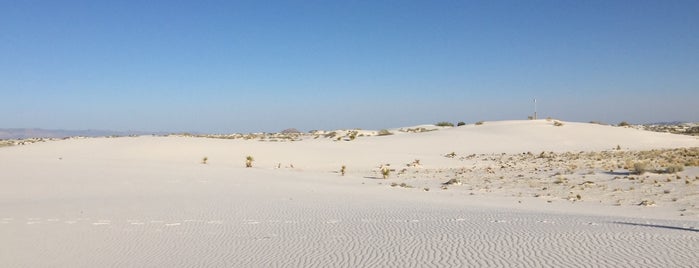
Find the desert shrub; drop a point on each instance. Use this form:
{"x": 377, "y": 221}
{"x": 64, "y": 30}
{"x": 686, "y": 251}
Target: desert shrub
{"x": 674, "y": 169}
{"x": 444, "y": 124}
{"x": 450, "y": 155}
{"x": 479, "y": 123}
{"x": 343, "y": 169}
{"x": 461, "y": 123}
{"x": 204, "y": 160}
{"x": 692, "y": 130}
{"x": 558, "y": 123}
{"x": 330, "y": 135}
{"x": 385, "y": 171}
{"x": 384, "y": 132}
{"x": 530, "y": 117}
{"x": 290, "y": 131}
{"x": 640, "y": 168}
{"x": 248, "y": 161}
{"x": 624, "y": 124}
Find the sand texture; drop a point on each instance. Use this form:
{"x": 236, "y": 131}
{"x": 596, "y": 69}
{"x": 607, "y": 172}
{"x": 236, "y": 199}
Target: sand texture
{"x": 501, "y": 194}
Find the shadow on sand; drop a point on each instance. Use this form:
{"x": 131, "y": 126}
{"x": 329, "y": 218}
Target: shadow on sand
{"x": 658, "y": 226}
{"x": 618, "y": 173}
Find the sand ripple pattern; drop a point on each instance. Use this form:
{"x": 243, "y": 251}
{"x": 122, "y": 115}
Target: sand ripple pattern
{"x": 394, "y": 237}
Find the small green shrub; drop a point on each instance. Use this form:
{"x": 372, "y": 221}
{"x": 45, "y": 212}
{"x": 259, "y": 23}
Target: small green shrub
{"x": 461, "y": 123}
{"x": 624, "y": 124}
{"x": 444, "y": 124}
{"x": 479, "y": 123}
{"x": 204, "y": 160}
{"x": 343, "y": 169}
{"x": 248, "y": 161}
{"x": 558, "y": 123}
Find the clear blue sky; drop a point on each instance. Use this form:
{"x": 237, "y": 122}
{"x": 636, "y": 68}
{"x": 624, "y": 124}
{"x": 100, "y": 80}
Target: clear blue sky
{"x": 240, "y": 66}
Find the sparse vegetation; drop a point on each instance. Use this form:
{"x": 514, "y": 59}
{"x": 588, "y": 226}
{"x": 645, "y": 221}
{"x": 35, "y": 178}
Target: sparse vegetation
{"x": 353, "y": 135}
{"x": 330, "y": 135}
{"x": 384, "y": 132}
{"x": 450, "y": 155}
{"x": 385, "y": 171}
{"x": 204, "y": 160}
{"x": 479, "y": 123}
{"x": 640, "y": 168}
{"x": 558, "y": 123}
{"x": 415, "y": 163}
{"x": 674, "y": 169}
{"x": 444, "y": 124}
{"x": 453, "y": 181}
{"x": 248, "y": 161}
{"x": 624, "y": 124}
{"x": 343, "y": 169}
{"x": 461, "y": 123}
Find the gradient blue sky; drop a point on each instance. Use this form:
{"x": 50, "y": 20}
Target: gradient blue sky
{"x": 241, "y": 66}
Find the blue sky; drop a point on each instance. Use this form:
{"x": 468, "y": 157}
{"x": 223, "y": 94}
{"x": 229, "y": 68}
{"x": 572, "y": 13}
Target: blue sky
{"x": 241, "y": 66}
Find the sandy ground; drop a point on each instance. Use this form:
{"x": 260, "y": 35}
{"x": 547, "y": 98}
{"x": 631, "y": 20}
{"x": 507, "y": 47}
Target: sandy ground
{"x": 150, "y": 202}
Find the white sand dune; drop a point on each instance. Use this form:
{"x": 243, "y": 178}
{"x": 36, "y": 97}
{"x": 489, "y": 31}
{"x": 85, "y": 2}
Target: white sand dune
{"x": 148, "y": 201}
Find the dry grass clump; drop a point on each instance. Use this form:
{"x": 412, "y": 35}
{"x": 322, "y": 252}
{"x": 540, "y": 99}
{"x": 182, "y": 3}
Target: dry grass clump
{"x": 384, "y": 132}
{"x": 343, "y": 169}
{"x": 454, "y": 181}
{"x": 558, "y": 123}
{"x": 385, "y": 171}
{"x": 640, "y": 168}
{"x": 674, "y": 169}
{"x": 248, "y": 161}
{"x": 479, "y": 123}
{"x": 204, "y": 160}
{"x": 444, "y": 124}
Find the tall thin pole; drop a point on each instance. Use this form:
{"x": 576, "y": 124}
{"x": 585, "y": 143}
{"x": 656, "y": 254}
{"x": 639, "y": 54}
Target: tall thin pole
{"x": 534, "y": 109}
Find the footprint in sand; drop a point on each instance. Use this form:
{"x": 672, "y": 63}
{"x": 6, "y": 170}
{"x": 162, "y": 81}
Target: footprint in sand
{"x": 102, "y": 222}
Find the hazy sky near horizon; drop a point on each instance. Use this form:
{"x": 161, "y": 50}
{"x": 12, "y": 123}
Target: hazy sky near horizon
{"x": 241, "y": 66}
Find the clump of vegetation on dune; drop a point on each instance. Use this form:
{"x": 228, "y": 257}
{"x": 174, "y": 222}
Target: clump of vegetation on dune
{"x": 248, "y": 161}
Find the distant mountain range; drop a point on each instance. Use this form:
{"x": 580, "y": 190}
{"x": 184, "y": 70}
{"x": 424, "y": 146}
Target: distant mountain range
{"x": 26, "y": 133}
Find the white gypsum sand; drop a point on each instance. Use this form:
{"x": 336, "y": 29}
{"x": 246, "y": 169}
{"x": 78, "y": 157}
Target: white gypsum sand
{"x": 149, "y": 201}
